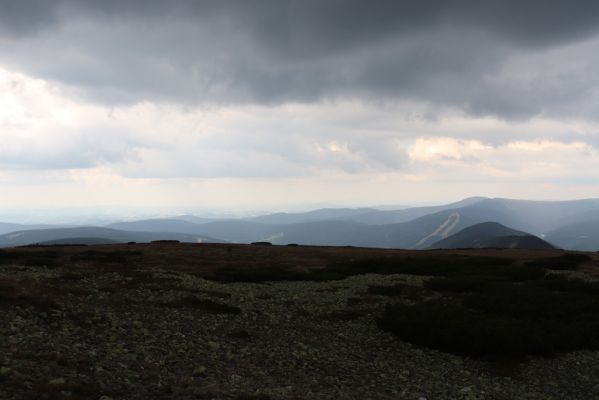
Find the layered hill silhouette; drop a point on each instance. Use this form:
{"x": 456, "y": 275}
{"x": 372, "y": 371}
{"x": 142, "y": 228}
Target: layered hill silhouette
{"x": 83, "y": 235}
{"x": 582, "y": 235}
{"x": 78, "y": 241}
{"x": 6, "y": 227}
{"x": 565, "y": 224}
{"x": 492, "y": 235}
{"x": 323, "y": 214}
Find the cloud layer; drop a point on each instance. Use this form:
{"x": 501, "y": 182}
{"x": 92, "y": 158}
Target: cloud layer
{"x": 486, "y": 58}
{"x": 355, "y": 101}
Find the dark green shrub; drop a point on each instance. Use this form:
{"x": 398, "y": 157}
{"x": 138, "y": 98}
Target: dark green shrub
{"x": 516, "y": 273}
{"x": 455, "y": 284}
{"x": 447, "y": 326}
{"x": 344, "y": 315}
{"x": 209, "y": 306}
{"x": 114, "y": 256}
{"x": 47, "y": 258}
{"x": 7, "y": 257}
{"x": 424, "y": 265}
{"x": 531, "y": 302}
{"x": 568, "y": 261}
{"x": 500, "y": 317}
{"x": 39, "y": 262}
{"x": 257, "y": 275}
{"x": 437, "y": 266}
{"x": 398, "y": 290}
{"x": 239, "y": 334}
{"x": 468, "y": 279}
{"x": 563, "y": 283}
{"x": 252, "y": 396}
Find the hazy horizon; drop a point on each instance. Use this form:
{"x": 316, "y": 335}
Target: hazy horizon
{"x": 107, "y": 214}
{"x": 142, "y": 108}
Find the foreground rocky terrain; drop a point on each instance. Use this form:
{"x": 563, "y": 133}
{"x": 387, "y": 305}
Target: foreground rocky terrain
{"x": 157, "y": 322}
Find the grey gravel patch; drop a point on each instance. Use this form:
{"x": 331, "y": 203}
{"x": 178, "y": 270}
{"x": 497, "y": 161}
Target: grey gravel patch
{"x": 285, "y": 344}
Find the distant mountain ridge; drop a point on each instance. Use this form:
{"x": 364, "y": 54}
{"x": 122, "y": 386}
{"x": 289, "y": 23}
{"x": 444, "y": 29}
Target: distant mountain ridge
{"x": 582, "y": 235}
{"x": 87, "y": 241}
{"x": 323, "y": 214}
{"x": 563, "y": 223}
{"x": 381, "y": 217}
{"x": 72, "y": 235}
{"x": 6, "y": 227}
{"x": 157, "y": 225}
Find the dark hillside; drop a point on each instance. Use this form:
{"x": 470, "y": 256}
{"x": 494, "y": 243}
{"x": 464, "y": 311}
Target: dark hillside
{"x": 492, "y": 235}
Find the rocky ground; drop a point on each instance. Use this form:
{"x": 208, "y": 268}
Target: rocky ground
{"x": 132, "y": 330}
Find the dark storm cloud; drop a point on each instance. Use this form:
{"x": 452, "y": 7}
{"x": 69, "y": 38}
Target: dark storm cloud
{"x": 446, "y": 53}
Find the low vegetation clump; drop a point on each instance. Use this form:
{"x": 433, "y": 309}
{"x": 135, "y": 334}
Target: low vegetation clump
{"x": 257, "y": 275}
{"x": 115, "y": 256}
{"x": 447, "y": 326}
{"x": 455, "y": 284}
{"x": 491, "y": 315}
{"x": 409, "y": 292}
{"x": 39, "y": 258}
{"x": 564, "y": 283}
{"x": 473, "y": 279}
{"x": 24, "y": 293}
{"x": 568, "y": 261}
{"x": 209, "y": 306}
{"x": 424, "y": 266}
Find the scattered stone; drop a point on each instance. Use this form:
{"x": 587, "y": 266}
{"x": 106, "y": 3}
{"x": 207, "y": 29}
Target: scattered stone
{"x": 57, "y": 381}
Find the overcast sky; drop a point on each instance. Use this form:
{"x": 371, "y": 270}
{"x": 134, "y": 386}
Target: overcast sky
{"x": 269, "y": 104}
